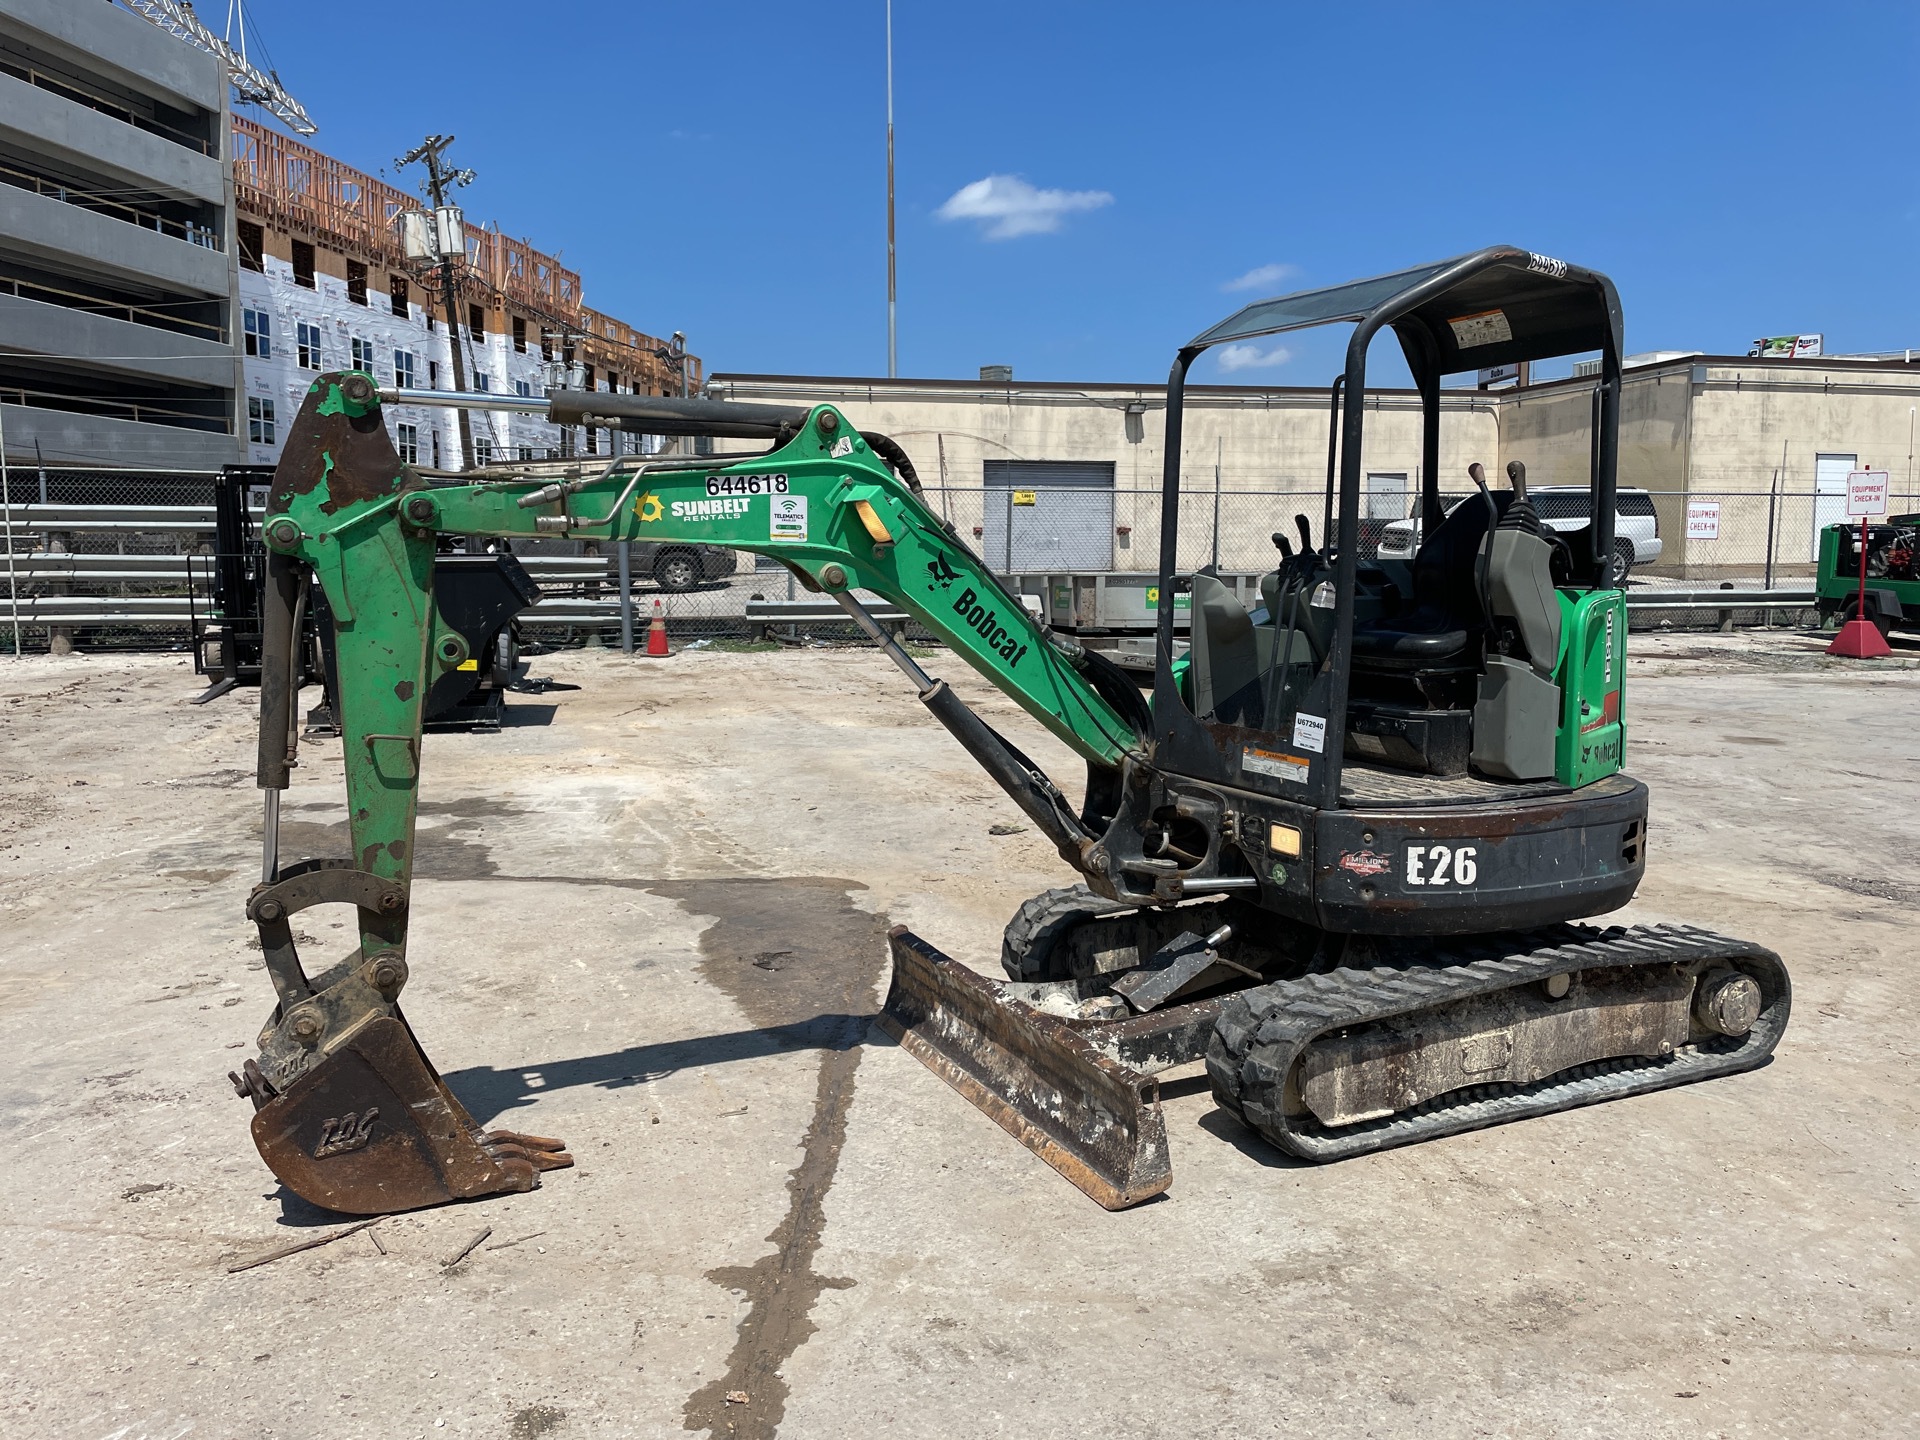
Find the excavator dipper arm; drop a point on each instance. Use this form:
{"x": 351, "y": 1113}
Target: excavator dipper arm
{"x": 349, "y": 1113}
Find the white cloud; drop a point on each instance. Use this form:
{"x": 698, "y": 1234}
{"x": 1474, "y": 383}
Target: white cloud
{"x": 1252, "y": 357}
{"x": 1262, "y": 277}
{"x": 1007, "y": 206}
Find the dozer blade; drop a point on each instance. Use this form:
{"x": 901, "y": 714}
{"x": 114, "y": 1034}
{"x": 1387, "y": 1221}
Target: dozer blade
{"x": 371, "y": 1129}
{"x": 1095, "y": 1121}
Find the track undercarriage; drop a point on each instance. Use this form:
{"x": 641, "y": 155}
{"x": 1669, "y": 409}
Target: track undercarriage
{"x": 1326, "y": 1046}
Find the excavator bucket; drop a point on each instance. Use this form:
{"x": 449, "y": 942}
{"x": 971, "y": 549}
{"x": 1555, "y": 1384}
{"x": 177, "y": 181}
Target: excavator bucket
{"x": 371, "y": 1129}
{"x": 1091, "y": 1118}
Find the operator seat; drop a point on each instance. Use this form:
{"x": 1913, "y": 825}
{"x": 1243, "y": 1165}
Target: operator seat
{"x": 1448, "y": 613}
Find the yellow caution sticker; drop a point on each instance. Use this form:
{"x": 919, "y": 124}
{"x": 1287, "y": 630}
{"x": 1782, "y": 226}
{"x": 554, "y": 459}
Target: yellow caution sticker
{"x": 468, "y": 665}
{"x": 1026, "y": 497}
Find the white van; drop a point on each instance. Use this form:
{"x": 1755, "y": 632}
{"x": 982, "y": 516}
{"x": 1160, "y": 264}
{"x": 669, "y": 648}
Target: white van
{"x": 1636, "y": 528}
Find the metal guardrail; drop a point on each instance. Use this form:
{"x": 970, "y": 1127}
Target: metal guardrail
{"x": 191, "y": 573}
{"x": 801, "y": 612}
{"x": 1778, "y": 599}
{"x": 178, "y": 610}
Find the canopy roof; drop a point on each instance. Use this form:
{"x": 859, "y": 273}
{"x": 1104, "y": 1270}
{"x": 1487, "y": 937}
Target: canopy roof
{"x": 1491, "y": 307}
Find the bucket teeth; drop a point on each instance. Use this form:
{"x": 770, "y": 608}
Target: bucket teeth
{"x": 371, "y": 1129}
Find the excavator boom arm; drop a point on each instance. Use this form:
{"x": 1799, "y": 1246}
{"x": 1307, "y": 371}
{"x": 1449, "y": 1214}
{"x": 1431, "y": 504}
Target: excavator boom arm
{"x": 822, "y": 501}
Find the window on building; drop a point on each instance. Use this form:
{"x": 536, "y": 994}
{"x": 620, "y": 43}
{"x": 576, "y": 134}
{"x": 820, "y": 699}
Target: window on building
{"x": 363, "y": 355}
{"x": 406, "y": 439}
{"x": 307, "y": 342}
{"x": 403, "y": 369}
{"x": 526, "y": 452}
{"x": 519, "y": 335}
{"x": 586, "y": 380}
{"x": 593, "y": 441}
{"x": 253, "y": 245}
{"x": 523, "y": 388}
{"x": 259, "y": 420}
{"x": 259, "y": 327}
{"x": 433, "y": 374}
{"x": 613, "y": 383}
{"x": 482, "y": 382}
{"x": 356, "y": 282}
{"x": 482, "y": 450}
{"x": 476, "y": 323}
{"x": 436, "y": 449}
{"x": 303, "y": 264}
{"x": 397, "y": 292}
{"x": 546, "y": 352}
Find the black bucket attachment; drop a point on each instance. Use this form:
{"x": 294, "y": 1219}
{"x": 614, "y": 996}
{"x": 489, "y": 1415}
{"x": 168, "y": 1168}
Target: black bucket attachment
{"x": 1091, "y": 1118}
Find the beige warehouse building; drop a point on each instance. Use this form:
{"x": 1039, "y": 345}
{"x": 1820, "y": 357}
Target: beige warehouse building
{"x": 1050, "y": 475}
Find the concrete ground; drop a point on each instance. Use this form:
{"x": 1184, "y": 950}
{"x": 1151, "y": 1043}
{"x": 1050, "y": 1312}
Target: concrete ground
{"x": 649, "y": 919}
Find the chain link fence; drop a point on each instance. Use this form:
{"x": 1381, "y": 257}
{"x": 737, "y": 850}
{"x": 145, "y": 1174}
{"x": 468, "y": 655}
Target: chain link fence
{"x": 119, "y": 558}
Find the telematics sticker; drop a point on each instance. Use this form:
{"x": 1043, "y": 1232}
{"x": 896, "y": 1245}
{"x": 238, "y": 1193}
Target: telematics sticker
{"x": 746, "y": 484}
{"x": 787, "y": 517}
{"x": 1274, "y": 762}
{"x": 1310, "y": 732}
{"x": 1489, "y": 327}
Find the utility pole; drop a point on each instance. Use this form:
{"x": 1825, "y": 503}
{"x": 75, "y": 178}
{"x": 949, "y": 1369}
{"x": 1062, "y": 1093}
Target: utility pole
{"x": 893, "y": 335}
{"x": 439, "y": 179}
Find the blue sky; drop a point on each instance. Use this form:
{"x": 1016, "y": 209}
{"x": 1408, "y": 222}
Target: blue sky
{"x": 1080, "y": 184}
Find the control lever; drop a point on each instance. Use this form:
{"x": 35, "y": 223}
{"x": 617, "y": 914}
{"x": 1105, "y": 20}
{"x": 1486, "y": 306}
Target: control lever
{"x": 1306, "y": 534}
{"x": 1280, "y": 544}
{"x": 1517, "y": 479}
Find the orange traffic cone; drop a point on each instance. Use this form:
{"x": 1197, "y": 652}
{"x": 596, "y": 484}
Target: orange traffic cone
{"x": 657, "y": 631}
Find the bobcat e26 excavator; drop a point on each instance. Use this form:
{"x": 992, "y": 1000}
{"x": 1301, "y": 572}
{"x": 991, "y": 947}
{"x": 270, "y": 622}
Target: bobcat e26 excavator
{"x": 1337, "y": 855}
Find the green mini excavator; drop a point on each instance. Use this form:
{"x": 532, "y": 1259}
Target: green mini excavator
{"x": 1337, "y": 853}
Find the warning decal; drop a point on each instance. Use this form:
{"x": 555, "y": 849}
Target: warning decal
{"x": 1274, "y": 762}
{"x": 1489, "y": 327}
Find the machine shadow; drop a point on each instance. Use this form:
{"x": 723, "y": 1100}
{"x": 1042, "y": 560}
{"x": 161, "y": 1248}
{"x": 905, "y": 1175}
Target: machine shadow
{"x": 520, "y": 715}
{"x": 1223, "y": 1126}
{"x": 489, "y": 1093}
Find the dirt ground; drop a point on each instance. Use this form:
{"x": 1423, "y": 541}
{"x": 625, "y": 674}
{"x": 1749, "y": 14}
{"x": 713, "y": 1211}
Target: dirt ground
{"x": 649, "y": 919}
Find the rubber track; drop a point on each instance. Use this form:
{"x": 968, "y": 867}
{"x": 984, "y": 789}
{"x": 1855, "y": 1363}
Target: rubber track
{"x": 1027, "y": 946}
{"x": 1262, "y": 1032}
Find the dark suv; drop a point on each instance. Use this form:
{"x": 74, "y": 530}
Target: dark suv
{"x": 677, "y": 566}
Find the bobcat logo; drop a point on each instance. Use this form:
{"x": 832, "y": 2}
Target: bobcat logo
{"x": 348, "y": 1132}
{"x": 941, "y": 573}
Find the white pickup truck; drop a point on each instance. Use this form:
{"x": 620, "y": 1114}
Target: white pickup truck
{"x": 1636, "y": 528}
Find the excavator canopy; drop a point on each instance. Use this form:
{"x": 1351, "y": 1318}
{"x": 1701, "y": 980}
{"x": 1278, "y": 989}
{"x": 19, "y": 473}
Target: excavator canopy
{"x": 1492, "y": 307}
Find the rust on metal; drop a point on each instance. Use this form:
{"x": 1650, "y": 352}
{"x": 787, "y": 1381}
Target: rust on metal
{"x": 1511, "y": 1037}
{"x": 1094, "y": 1120}
{"x": 351, "y": 454}
{"x": 410, "y": 1143}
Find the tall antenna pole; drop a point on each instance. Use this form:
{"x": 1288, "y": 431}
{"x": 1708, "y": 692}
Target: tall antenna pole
{"x": 893, "y": 334}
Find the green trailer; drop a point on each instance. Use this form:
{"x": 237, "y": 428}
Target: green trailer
{"x": 1892, "y": 585}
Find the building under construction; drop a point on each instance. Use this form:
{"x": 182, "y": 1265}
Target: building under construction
{"x": 325, "y": 284}
{"x": 172, "y": 274}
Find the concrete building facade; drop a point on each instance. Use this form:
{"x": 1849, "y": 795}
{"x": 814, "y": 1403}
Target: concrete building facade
{"x": 116, "y": 242}
{"x": 1746, "y": 459}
